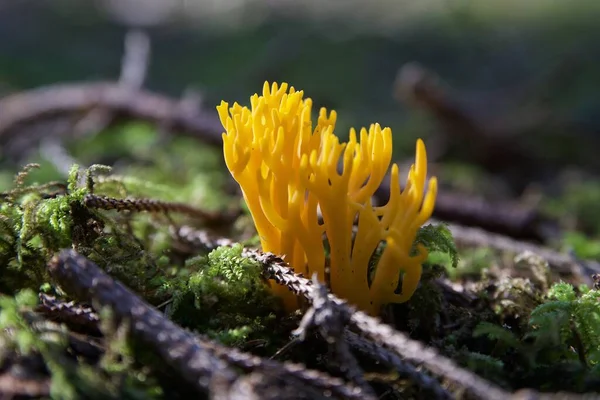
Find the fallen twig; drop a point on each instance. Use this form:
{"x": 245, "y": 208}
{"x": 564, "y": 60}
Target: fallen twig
{"x": 136, "y": 59}
{"x": 561, "y": 262}
{"x": 412, "y": 350}
{"x": 404, "y": 368}
{"x": 206, "y": 365}
{"x": 397, "y": 342}
{"x": 508, "y": 218}
{"x": 491, "y": 137}
{"x": 155, "y": 206}
{"x": 198, "y": 239}
{"x": 331, "y": 323}
{"x": 87, "y": 282}
{"x": 70, "y": 313}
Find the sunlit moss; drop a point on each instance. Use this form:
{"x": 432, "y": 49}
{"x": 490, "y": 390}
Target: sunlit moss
{"x": 225, "y": 297}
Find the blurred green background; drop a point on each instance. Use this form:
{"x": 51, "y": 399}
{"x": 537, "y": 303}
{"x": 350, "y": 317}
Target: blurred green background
{"x": 495, "y": 58}
{"x": 345, "y": 54}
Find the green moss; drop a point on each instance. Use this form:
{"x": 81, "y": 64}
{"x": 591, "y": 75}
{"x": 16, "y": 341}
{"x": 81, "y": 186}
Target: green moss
{"x": 20, "y": 340}
{"x": 182, "y": 170}
{"x": 471, "y": 265}
{"x": 561, "y": 339}
{"x": 425, "y": 305}
{"x": 26, "y": 339}
{"x": 577, "y": 206}
{"x": 583, "y": 246}
{"x": 225, "y": 297}
{"x": 33, "y": 225}
{"x": 575, "y": 318}
{"x": 438, "y": 240}
{"x": 36, "y": 221}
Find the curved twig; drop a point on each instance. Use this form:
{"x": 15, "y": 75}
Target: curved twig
{"x": 121, "y": 100}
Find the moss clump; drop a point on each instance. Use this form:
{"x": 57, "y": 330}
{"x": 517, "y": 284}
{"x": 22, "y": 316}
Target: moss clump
{"x": 423, "y": 311}
{"x": 45, "y": 350}
{"x": 582, "y": 245}
{"x": 572, "y": 320}
{"x": 225, "y": 297}
{"x": 151, "y": 164}
{"x": 559, "y": 349}
{"x": 35, "y": 222}
{"x": 20, "y": 344}
{"x": 577, "y": 207}
{"x": 439, "y": 241}
{"x": 38, "y": 220}
{"x": 421, "y": 315}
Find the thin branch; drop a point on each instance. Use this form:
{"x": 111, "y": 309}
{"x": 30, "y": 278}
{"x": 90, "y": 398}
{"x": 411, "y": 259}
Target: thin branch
{"x": 70, "y": 313}
{"x": 198, "y": 239}
{"x": 404, "y": 368}
{"x": 508, "y": 218}
{"x": 493, "y": 135}
{"x": 192, "y": 358}
{"x": 51, "y": 149}
{"x": 154, "y": 206}
{"x": 327, "y": 319}
{"x": 563, "y": 263}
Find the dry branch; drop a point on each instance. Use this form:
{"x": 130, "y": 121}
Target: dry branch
{"x": 562, "y": 263}
{"x": 331, "y": 323}
{"x": 508, "y": 218}
{"x": 404, "y": 368}
{"x": 206, "y": 365}
{"x": 136, "y": 59}
{"x": 39, "y": 104}
{"x": 384, "y": 335}
{"x": 86, "y": 281}
{"x": 198, "y": 239}
{"x": 491, "y": 137}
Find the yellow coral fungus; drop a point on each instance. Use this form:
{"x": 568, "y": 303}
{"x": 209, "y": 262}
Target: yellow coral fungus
{"x": 288, "y": 170}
